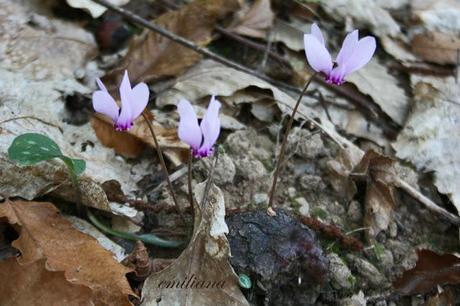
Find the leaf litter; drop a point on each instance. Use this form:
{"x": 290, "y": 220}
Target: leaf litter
{"x": 317, "y": 180}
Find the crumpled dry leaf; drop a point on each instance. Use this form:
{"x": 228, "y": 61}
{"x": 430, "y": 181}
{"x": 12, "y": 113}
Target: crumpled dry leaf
{"x": 430, "y": 138}
{"x": 203, "y": 264}
{"x": 365, "y": 14}
{"x": 131, "y": 143}
{"x": 436, "y": 47}
{"x": 291, "y": 34}
{"x": 374, "y": 80}
{"x": 339, "y": 170}
{"x": 254, "y": 21}
{"x": 153, "y": 56}
{"x": 379, "y": 174}
{"x": 438, "y": 15}
{"x": 51, "y": 49}
{"x": 48, "y": 244}
{"x": 96, "y": 10}
{"x": 430, "y": 271}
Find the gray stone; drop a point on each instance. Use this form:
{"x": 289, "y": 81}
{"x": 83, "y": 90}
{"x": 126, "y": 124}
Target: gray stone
{"x": 356, "y": 300}
{"x": 340, "y": 274}
{"x": 355, "y": 212}
{"x": 312, "y": 182}
{"x": 249, "y": 142}
{"x": 304, "y": 207}
{"x": 305, "y": 144}
{"x": 368, "y": 271}
{"x": 260, "y": 198}
{"x": 291, "y": 192}
{"x": 250, "y": 168}
{"x": 225, "y": 170}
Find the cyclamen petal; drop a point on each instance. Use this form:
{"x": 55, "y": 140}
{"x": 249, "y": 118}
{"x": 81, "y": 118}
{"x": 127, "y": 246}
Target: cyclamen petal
{"x": 133, "y": 102}
{"x": 315, "y": 31}
{"x": 189, "y": 131}
{"x": 364, "y": 50}
{"x": 210, "y": 126}
{"x": 317, "y": 55}
{"x": 201, "y": 138}
{"x": 348, "y": 47}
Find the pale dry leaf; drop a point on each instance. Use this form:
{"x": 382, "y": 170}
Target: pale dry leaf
{"x": 202, "y": 272}
{"x": 291, "y": 34}
{"x": 46, "y": 237}
{"x": 438, "y": 15}
{"x": 365, "y": 14}
{"x": 96, "y": 10}
{"x": 374, "y": 80}
{"x": 255, "y": 21}
{"x": 152, "y": 56}
{"x": 430, "y": 138}
{"x": 436, "y": 47}
{"x": 52, "y": 49}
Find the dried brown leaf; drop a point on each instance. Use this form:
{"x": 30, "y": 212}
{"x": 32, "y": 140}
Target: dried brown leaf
{"x": 378, "y": 171}
{"x": 254, "y": 21}
{"x": 204, "y": 263}
{"x": 54, "y": 250}
{"x": 132, "y": 142}
{"x": 436, "y": 47}
{"x": 430, "y": 271}
{"x": 153, "y": 56}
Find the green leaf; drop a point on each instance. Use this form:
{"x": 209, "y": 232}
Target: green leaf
{"x": 244, "y": 281}
{"x": 31, "y": 148}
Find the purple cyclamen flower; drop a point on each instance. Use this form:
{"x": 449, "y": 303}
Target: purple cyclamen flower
{"x": 133, "y": 102}
{"x": 201, "y": 138}
{"x": 354, "y": 54}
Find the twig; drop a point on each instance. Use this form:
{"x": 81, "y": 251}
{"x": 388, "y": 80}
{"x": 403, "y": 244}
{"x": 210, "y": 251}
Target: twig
{"x": 426, "y": 201}
{"x": 283, "y": 144}
{"x": 35, "y": 118}
{"x": 164, "y": 168}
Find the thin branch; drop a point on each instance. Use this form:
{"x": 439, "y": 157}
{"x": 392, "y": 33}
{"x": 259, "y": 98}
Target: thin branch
{"x": 164, "y": 168}
{"x": 189, "y": 180}
{"x": 426, "y": 201}
{"x": 284, "y": 143}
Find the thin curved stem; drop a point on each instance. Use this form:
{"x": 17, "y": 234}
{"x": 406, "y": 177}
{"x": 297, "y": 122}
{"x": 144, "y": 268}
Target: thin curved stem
{"x": 164, "y": 168}
{"x": 147, "y": 238}
{"x": 189, "y": 180}
{"x": 284, "y": 143}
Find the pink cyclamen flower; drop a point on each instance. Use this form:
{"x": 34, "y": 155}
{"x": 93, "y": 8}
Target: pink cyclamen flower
{"x": 201, "y": 138}
{"x": 354, "y": 54}
{"x": 133, "y": 102}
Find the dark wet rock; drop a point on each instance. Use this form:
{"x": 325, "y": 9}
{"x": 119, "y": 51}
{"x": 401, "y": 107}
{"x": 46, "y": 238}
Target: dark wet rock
{"x": 280, "y": 254}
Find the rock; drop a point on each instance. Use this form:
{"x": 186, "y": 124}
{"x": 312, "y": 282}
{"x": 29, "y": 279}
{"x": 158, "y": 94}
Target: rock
{"x": 312, "y": 182}
{"x": 250, "y": 168}
{"x": 225, "y": 170}
{"x": 291, "y": 192}
{"x": 305, "y": 144}
{"x": 356, "y": 300}
{"x": 386, "y": 261}
{"x": 304, "y": 207}
{"x": 260, "y": 198}
{"x": 339, "y": 272}
{"x": 368, "y": 271}
{"x": 249, "y": 142}
{"x": 355, "y": 212}
{"x": 393, "y": 229}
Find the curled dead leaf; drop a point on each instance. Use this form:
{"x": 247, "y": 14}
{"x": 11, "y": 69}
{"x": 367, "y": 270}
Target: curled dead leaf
{"x": 204, "y": 264}
{"x": 378, "y": 172}
{"x": 430, "y": 271}
{"x": 254, "y": 21}
{"x": 48, "y": 244}
{"x": 436, "y": 47}
{"x": 152, "y": 56}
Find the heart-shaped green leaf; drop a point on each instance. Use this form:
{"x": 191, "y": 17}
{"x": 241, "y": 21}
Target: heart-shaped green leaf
{"x": 31, "y": 148}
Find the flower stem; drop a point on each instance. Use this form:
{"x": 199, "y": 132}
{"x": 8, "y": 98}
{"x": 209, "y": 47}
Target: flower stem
{"x": 284, "y": 143}
{"x": 164, "y": 168}
{"x": 189, "y": 179}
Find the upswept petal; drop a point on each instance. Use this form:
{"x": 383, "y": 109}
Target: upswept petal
{"x": 100, "y": 84}
{"x": 362, "y": 54}
{"x": 210, "y": 125}
{"x": 125, "y": 120}
{"x": 138, "y": 99}
{"x": 315, "y": 31}
{"x": 104, "y": 103}
{"x": 188, "y": 130}
{"x": 348, "y": 47}
{"x": 317, "y": 55}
